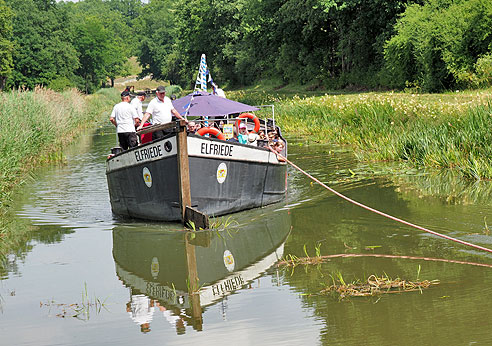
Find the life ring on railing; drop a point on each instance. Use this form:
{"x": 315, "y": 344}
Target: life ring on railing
{"x": 211, "y": 131}
{"x": 252, "y": 117}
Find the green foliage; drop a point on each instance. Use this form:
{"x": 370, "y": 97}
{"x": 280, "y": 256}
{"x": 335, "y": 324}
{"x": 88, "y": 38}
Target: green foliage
{"x": 62, "y": 45}
{"x": 43, "y": 49}
{"x": 451, "y": 131}
{"x": 174, "y": 90}
{"x": 483, "y": 70}
{"x": 61, "y": 84}
{"x": 245, "y": 41}
{"x": 155, "y": 32}
{"x": 6, "y": 45}
{"x": 34, "y": 127}
{"x": 438, "y": 44}
{"x": 424, "y": 45}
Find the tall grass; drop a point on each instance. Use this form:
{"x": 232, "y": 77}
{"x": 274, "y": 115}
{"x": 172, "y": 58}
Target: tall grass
{"x": 442, "y": 131}
{"x": 34, "y": 127}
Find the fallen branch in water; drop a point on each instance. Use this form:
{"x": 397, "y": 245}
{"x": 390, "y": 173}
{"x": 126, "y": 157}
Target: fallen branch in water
{"x": 375, "y": 286}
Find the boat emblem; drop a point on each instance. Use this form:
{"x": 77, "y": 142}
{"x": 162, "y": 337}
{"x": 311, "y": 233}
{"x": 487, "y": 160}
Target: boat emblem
{"x": 154, "y": 267}
{"x": 168, "y": 146}
{"x": 221, "y": 173}
{"x": 229, "y": 260}
{"x": 147, "y": 177}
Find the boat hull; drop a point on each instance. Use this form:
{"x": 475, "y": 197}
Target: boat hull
{"x": 224, "y": 178}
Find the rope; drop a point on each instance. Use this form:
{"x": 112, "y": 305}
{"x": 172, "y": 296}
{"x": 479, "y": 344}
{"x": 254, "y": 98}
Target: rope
{"x": 356, "y": 255}
{"x": 380, "y": 212}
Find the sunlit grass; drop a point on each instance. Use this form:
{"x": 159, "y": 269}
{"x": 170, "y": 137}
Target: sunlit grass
{"x": 35, "y": 126}
{"x": 441, "y": 131}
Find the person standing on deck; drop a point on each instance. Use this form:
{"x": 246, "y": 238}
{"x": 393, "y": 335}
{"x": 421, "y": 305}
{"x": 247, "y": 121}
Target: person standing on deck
{"x": 162, "y": 110}
{"x": 124, "y": 117}
{"x": 137, "y": 104}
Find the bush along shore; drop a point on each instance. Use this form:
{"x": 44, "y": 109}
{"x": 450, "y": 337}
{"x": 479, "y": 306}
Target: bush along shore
{"x": 34, "y": 128}
{"x": 440, "y": 131}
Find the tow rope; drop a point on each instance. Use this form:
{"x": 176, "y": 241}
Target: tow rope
{"x": 282, "y": 158}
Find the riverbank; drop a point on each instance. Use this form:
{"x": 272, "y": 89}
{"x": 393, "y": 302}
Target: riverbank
{"x": 425, "y": 130}
{"x": 35, "y": 126}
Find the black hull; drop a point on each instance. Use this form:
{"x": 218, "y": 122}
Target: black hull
{"x": 224, "y": 178}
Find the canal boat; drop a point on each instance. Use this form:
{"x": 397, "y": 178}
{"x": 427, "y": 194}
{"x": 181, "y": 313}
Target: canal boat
{"x": 162, "y": 179}
{"x": 185, "y": 273}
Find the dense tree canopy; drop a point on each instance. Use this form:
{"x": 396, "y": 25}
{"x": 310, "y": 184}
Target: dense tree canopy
{"x": 442, "y": 44}
{"x": 429, "y": 45}
{"x": 43, "y": 51}
{"x": 6, "y": 45}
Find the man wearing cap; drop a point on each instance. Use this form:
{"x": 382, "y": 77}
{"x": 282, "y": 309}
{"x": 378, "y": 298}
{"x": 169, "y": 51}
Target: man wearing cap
{"x": 123, "y": 117}
{"x": 162, "y": 110}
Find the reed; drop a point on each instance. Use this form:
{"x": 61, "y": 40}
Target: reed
{"x": 80, "y": 310}
{"x": 34, "y": 128}
{"x": 439, "y": 131}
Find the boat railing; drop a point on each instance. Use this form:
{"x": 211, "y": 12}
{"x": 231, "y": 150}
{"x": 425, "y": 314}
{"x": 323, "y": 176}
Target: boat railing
{"x": 172, "y": 125}
{"x": 267, "y": 122}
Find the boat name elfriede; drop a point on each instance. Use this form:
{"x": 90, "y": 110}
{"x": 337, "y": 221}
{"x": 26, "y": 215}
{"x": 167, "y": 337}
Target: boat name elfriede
{"x": 148, "y": 153}
{"x": 228, "y": 285}
{"x": 216, "y": 149}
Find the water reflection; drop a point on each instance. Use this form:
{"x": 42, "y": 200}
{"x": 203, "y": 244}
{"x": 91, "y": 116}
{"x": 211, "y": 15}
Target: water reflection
{"x": 448, "y": 186}
{"x": 66, "y": 209}
{"x": 179, "y": 274}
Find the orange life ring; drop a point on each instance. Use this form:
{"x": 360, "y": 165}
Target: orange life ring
{"x": 252, "y": 117}
{"x": 211, "y": 131}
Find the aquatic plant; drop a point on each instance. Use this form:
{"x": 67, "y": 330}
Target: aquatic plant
{"x": 439, "y": 131}
{"x": 374, "y": 285}
{"x": 293, "y": 261}
{"x": 80, "y": 310}
{"x": 223, "y": 223}
{"x": 190, "y": 225}
{"x": 486, "y": 229}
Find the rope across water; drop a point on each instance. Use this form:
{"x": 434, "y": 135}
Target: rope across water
{"x": 478, "y": 247}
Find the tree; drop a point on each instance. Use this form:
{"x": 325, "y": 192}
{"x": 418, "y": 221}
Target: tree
{"x": 101, "y": 38}
{"x": 440, "y": 44}
{"x": 6, "y": 45}
{"x": 93, "y": 44}
{"x": 156, "y": 33}
{"x": 43, "y": 48}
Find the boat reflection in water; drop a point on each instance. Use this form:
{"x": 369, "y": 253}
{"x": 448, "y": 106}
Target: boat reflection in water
{"x": 181, "y": 273}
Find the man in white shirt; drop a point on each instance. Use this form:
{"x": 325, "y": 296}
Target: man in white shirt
{"x": 123, "y": 117}
{"x": 141, "y": 310}
{"x": 162, "y": 110}
{"x": 137, "y": 104}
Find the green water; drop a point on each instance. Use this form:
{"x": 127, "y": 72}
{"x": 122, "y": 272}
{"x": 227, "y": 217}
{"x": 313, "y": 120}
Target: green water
{"x": 129, "y": 279}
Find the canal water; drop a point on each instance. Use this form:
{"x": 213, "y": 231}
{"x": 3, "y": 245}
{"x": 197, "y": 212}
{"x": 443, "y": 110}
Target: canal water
{"x": 83, "y": 277}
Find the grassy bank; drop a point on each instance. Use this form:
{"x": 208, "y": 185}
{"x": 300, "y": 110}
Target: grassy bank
{"x": 427, "y": 130}
{"x": 34, "y": 128}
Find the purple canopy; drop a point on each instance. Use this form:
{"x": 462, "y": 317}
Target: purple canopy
{"x": 206, "y": 104}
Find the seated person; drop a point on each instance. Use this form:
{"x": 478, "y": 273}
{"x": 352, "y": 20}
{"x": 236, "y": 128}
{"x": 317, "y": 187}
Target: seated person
{"x": 279, "y": 147}
{"x": 242, "y": 137}
{"x": 233, "y": 139}
{"x": 272, "y": 138}
{"x": 253, "y": 139}
{"x": 234, "y": 135}
{"x": 192, "y": 127}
